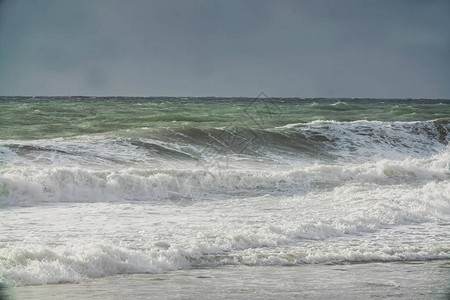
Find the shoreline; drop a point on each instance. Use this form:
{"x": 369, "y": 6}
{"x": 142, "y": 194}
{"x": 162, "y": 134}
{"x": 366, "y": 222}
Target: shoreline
{"x": 404, "y": 280}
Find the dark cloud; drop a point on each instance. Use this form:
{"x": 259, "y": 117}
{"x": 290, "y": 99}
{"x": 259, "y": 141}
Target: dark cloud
{"x": 355, "y": 48}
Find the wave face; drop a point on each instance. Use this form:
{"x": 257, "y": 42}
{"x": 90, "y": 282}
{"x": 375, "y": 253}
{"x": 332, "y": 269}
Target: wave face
{"x": 99, "y": 187}
{"x": 314, "y": 140}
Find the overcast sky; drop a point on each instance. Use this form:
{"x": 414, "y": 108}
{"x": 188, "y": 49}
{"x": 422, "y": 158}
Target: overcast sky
{"x": 383, "y": 49}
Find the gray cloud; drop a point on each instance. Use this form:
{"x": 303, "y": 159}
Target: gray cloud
{"x": 225, "y": 48}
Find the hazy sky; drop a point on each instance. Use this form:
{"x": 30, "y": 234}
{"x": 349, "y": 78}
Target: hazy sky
{"x": 226, "y": 48}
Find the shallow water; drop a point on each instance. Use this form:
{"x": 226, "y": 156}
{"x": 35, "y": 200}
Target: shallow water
{"x": 416, "y": 280}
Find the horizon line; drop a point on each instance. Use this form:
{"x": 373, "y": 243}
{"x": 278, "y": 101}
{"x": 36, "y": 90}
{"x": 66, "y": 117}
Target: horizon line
{"x": 223, "y": 97}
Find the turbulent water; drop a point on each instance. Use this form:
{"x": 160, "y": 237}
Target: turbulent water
{"x": 93, "y": 187}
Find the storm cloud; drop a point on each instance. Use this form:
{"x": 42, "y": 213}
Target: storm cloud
{"x": 348, "y": 48}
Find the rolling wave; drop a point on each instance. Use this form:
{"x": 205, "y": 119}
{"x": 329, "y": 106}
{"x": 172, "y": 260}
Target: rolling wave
{"x": 363, "y": 140}
{"x": 31, "y": 185}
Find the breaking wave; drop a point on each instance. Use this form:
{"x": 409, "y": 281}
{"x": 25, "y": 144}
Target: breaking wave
{"x": 318, "y": 140}
{"x": 28, "y": 185}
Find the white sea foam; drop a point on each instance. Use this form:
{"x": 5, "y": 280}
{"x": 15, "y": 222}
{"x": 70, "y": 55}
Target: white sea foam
{"x": 29, "y": 185}
{"x": 351, "y": 223}
{"x": 79, "y": 263}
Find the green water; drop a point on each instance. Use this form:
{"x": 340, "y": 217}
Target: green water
{"x": 50, "y": 117}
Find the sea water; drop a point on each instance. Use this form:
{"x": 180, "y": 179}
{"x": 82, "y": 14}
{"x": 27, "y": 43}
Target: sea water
{"x": 95, "y": 189}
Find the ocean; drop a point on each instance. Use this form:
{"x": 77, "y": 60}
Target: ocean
{"x": 224, "y": 197}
